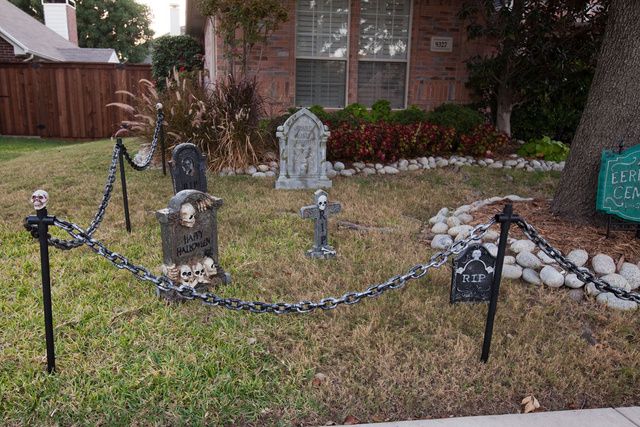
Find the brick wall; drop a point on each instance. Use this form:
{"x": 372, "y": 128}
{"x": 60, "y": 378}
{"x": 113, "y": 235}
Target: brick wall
{"x": 434, "y": 77}
{"x": 6, "y": 52}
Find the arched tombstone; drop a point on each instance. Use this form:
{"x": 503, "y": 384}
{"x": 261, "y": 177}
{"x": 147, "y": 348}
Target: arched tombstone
{"x": 189, "y": 231}
{"x": 188, "y": 167}
{"x": 303, "y": 151}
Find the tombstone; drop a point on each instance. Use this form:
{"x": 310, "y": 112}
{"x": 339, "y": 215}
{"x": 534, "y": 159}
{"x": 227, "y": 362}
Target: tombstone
{"x": 303, "y": 151}
{"x": 188, "y": 167}
{"x": 472, "y": 275}
{"x": 190, "y": 241}
{"x": 320, "y": 212}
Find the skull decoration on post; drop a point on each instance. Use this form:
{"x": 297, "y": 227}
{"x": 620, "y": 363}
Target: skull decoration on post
{"x": 322, "y": 202}
{"x": 190, "y": 241}
{"x": 40, "y": 198}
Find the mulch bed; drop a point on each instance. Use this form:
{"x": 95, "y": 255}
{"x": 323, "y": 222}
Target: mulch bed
{"x": 566, "y": 235}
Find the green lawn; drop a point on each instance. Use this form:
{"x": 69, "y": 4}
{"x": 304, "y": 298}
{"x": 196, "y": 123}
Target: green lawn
{"x": 124, "y": 357}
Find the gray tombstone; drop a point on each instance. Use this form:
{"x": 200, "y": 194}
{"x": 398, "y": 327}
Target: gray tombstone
{"x": 472, "y": 275}
{"x": 320, "y": 211}
{"x": 303, "y": 151}
{"x": 188, "y": 167}
{"x": 190, "y": 241}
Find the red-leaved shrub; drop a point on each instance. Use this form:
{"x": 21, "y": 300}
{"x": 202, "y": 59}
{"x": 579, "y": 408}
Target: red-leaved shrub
{"x": 484, "y": 140}
{"x": 388, "y": 142}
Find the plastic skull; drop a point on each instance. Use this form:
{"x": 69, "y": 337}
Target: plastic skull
{"x": 209, "y": 267}
{"x": 322, "y": 202}
{"x": 187, "y": 215}
{"x": 186, "y": 275}
{"x": 199, "y": 273}
{"x": 39, "y": 199}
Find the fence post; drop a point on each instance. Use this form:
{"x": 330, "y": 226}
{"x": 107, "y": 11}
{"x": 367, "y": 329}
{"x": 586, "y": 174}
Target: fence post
{"x": 42, "y": 220}
{"x": 161, "y": 136}
{"x": 123, "y": 180}
{"x": 505, "y": 219}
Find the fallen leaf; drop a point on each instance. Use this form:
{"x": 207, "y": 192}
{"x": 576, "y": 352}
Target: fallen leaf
{"x": 529, "y": 404}
{"x": 251, "y": 341}
{"x": 319, "y": 379}
{"x": 351, "y": 420}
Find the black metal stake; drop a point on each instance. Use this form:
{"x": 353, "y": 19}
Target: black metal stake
{"x": 505, "y": 219}
{"x": 162, "y": 149}
{"x": 123, "y": 180}
{"x": 42, "y": 220}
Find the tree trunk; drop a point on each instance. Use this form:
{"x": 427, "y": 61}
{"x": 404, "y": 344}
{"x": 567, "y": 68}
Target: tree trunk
{"x": 504, "y": 108}
{"x": 612, "y": 113}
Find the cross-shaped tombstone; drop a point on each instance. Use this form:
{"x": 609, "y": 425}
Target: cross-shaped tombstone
{"x": 320, "y": 211}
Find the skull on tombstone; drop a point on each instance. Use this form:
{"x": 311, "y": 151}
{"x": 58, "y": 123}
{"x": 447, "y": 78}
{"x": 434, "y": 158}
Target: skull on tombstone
{"x": 322, "y": 202}
{"x": 187, "y": 215}
{"x": 186, "y": 276}
{"x": 40, "y": 199}
{"x": 209, "y": 267}
{"x": 199, "y": 273}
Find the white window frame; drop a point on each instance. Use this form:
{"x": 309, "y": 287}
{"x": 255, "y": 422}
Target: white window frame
{"x": 407, "y": 60}
{"x": 347, "y": 58}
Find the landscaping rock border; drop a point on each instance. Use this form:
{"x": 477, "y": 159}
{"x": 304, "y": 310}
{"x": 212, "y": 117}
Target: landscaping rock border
{"x": 335, "y": 169}
{"x": 526, "y": 262}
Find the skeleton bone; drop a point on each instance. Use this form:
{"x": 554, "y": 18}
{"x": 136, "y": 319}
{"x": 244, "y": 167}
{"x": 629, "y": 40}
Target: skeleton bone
{"x": 209, "y": 267}
{"x": 204, "y": 204}
{"x": 187, "y": 215}
{"x": 171, "y": 271}
{"x": 39, "y": 199}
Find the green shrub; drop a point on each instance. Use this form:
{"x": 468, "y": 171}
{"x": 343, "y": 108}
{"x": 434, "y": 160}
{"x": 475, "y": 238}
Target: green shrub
{"x": 318, "y": 110}
{"x": 408, "y": 116}
{"x": 182, "y": 53}
{"x": 462, "y": 119}
{"x": 381, "y": 111}
{"x": 545, "y": 148}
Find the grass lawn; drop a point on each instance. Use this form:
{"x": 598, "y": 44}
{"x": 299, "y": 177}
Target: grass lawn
{"x": 124, "y": 357}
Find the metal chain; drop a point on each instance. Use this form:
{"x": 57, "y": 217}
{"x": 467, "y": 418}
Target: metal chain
{"x": 154, "y": 144}
{"x": 583, "y": 273}
{"x": 106, "y": 194}
{"x": 163, "y": 283}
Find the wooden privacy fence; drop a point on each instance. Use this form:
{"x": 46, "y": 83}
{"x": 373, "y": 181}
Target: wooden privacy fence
{"x": 65, "y": 100}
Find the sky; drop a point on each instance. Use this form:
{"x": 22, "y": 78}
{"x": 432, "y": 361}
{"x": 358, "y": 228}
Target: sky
{"x": 160, "y": 12}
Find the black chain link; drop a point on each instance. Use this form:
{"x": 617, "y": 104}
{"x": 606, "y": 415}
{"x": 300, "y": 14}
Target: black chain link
{"x": 163, "y": 283}
{"x": 154, "y": 144}
{"x": 583, "y": 273}
{"x": 106, "y": 194}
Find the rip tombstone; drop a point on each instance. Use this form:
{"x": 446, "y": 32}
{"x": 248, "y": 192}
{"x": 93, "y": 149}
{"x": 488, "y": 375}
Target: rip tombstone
{"x": 188, "y": 167}
{"x": 320, "y": 212}
{"x": 190, "y": 241}
{"x": 472, "y": 275}
{"x": 303, "y": 151}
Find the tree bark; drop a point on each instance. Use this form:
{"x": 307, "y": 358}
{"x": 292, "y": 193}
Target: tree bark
{"x": 504, "y": 108}
{"x": 612, "y": 113}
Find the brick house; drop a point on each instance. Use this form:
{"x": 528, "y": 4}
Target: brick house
{"x": 25, "y": 39}
{"x": 337, "y": 52}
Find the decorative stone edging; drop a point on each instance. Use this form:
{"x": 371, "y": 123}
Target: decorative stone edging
{"x": 403, "y": 165}
{"x": 526, "y": 262}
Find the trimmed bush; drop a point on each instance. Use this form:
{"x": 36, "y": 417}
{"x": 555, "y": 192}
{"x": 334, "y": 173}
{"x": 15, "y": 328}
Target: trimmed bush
{"x": 408, "y": 116}
{"x": 463, "y": 119}
{"x": 182, "y": 53}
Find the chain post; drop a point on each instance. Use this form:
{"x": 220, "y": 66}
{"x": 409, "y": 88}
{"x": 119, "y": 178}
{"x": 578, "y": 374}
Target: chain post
{"x": 505, "y": 219}
{"x": 123, "y": 180}
{"x": 161, "y": 136}
{"x": 43, "y": 221}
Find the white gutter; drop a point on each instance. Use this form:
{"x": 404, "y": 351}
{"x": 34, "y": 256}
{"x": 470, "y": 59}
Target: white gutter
{"x": 5, "y": 35}
{"x": 29, "y": 58}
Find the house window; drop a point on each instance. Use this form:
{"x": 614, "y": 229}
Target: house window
{"x": 321, "y": 52}
{"x": 383, "y": 51}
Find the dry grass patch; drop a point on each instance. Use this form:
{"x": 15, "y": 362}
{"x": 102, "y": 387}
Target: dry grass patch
{"x": 125, "y": 357}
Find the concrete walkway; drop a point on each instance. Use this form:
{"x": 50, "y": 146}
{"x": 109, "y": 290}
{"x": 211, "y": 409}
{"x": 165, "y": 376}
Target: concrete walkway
{"x": 605, "y": 417}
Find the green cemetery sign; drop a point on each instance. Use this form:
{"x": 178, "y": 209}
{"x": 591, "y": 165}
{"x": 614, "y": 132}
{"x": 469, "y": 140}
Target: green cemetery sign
{"x": 619, "y": 184}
